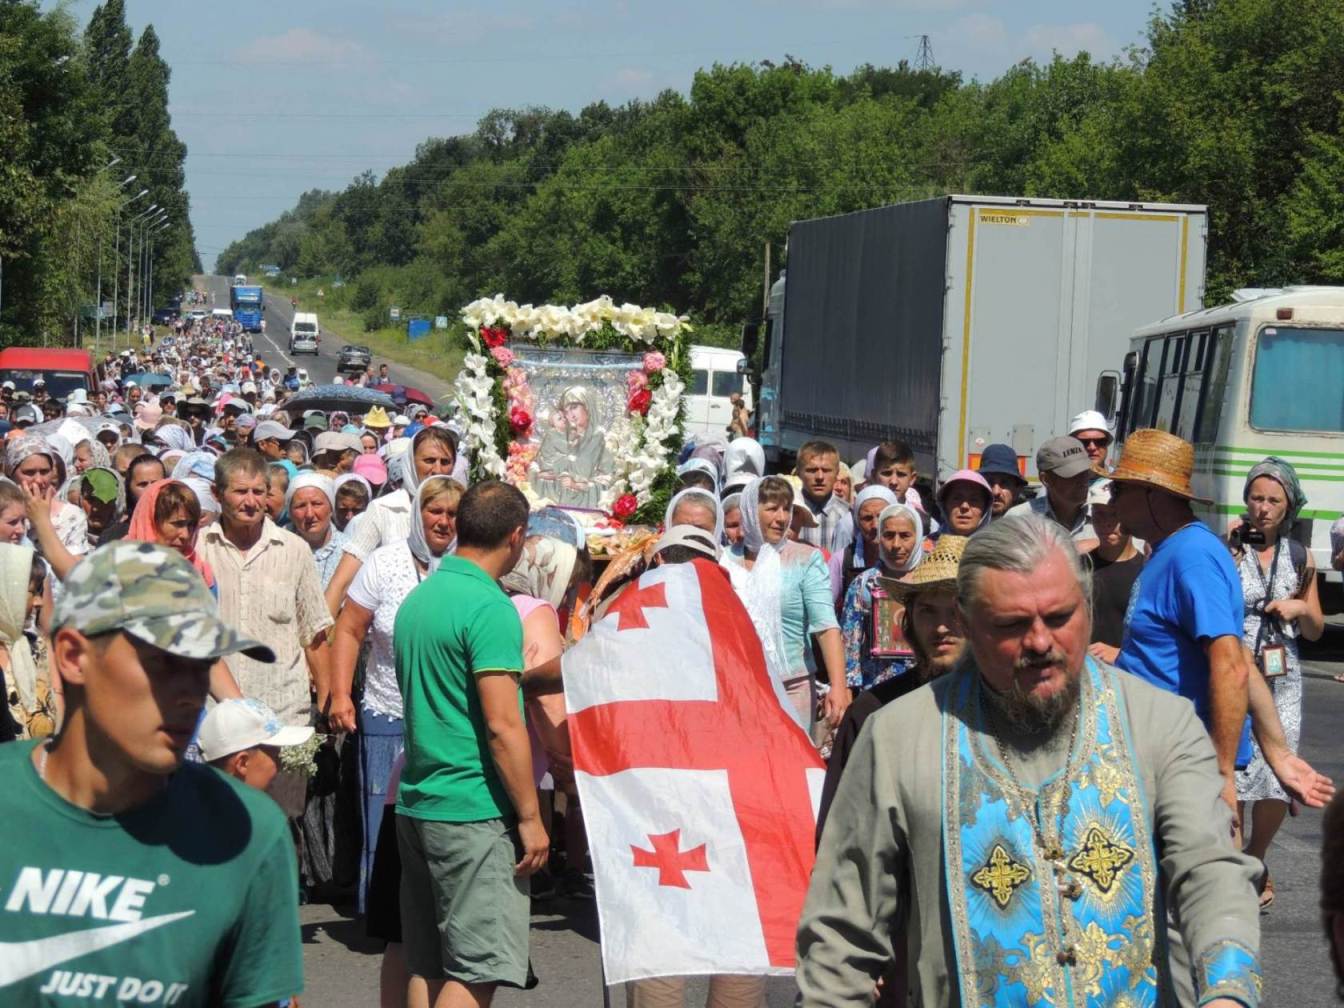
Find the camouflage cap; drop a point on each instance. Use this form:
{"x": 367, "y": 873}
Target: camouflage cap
{"x": 152, "y": 593}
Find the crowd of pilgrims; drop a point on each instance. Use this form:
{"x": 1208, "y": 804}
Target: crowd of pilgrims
{"x": 818, "y": 556}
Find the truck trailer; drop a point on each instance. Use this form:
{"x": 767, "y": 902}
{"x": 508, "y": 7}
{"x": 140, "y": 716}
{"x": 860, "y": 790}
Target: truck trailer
{"x": 956, "y": 322}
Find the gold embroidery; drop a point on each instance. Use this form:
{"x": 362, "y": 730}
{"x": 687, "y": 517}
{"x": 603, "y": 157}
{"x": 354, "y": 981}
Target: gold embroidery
{"x": 1001, "y": 876}
{"x": 1107, "y": 775}
{"x": 1038, "y": 971}
{"x": 1101, "y": 859}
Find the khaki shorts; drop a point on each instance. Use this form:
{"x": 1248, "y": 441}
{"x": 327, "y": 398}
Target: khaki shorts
{"x": 464, "y": 914}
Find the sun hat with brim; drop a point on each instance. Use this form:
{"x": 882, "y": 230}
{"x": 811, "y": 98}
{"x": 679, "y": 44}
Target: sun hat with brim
{"x": 377, "y": 419}
{"x": 153, "y": 594}
{"x": 937, "y": 570}
{"x": 999, "y": 460}
{"x": 1158, "y": 460}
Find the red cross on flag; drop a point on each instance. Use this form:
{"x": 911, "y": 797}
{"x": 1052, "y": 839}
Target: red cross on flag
{"x": 699, "y": 790}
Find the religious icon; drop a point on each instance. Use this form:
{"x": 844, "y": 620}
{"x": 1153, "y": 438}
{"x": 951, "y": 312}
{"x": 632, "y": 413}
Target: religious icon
{"x": 888, "y": 640}
{"x": 1274, "y": 661}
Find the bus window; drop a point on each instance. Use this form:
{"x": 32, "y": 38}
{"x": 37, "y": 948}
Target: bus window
{"x": 1280, "y": 398}
{"x": 1145, "y": 395}
{"x": 1169, "y": 385}
{"x": 1184, "y": 424}
{"x": 699, "y": 383}
{"x": 1217, "y": 358}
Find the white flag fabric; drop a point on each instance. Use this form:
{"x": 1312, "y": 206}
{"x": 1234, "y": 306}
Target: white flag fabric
{"x": 699, "y": 791}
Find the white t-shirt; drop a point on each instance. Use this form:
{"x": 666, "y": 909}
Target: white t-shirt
{"x": 389, "y": 574}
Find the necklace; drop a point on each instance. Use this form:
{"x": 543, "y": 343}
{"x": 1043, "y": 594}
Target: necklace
{"x": 1052, "y": 851}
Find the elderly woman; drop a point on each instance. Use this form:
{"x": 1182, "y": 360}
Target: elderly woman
{"x": 311, "y": 503}
{"x": 787, "y": 591}
{"x": 353, "y": 495}
{"x": 900, "y": 547}
{"x": 965, "y": 499}
{"x": 1278, "y": 582}
{"x": 385, "y": 579}
{"x": 863, "y": 554}
{"x": 32, "y": 701}
{"x": 694, "y": 506}
{"x": 32, "y": 462}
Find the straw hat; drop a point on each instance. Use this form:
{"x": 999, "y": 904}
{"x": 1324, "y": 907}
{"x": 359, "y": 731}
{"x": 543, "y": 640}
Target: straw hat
{"x": 377, "y": 419}
{"x": 1159, "y": 460}
{"x": 937, "y": 570}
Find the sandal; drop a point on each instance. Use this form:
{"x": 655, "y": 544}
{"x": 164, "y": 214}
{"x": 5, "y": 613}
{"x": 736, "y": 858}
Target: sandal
{"x": 1266, "y": 894}
{"x": 1339, "y": 678}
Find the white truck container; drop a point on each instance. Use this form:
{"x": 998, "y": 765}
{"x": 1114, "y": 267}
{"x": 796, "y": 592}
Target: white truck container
{"x": 957, "y": 322}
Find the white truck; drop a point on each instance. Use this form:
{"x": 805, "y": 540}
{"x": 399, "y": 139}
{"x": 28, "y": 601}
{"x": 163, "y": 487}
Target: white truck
{"x": 304, "y": 333}
{"x": 957, "y": 322}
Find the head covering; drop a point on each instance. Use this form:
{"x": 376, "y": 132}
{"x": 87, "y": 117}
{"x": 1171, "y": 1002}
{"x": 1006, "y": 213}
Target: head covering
{"x": 371, "y": 468}
{"x": 241, "y": 723}
{"x": 144, "y": 529}
{"x": 153, "y": 594}
{"x": 999, "y": 460}
{"x": 875, "y": 491}
{"x": 195, "y": 463}
{"x": 937, "y": 570}
{"x": 557, "y": 523}
{"x": 968, "y": 476}
{"x": 1158, "y": 460}
{"x": 691, "y": 536}
{"x": 543, "y": 571}
{"x": 700, "y": 465}
{"x": 401, "y": 463}
{"x": 204, "y": 491}
{"x": 1281, "y": 472}
{"x": 916, "y": 522}
{"x": 763, "y": 588}
{"x": 311, "y": 479}
{"x": 1064, "y": 457}
{"x": 753, "y": 538}
{"x": 174, "y": 436}
{"x": 376, "y": 420}
{"x": 744, "y": 454}
{"x": 418, "y": 542}
{"x": 107, "y": 484}
{"x": 16, "y": 568}
{"x": 350, "y": 477}
{"x": 710, "y": 500}
{"x": 25, "y": 446}
{"x": 1089, "y": 420}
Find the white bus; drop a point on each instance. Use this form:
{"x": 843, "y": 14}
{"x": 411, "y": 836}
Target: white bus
{"x": 1261, "y": 376}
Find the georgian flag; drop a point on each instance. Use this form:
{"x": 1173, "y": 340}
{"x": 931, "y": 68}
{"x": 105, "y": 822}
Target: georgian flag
{"x": 699, "y": 791}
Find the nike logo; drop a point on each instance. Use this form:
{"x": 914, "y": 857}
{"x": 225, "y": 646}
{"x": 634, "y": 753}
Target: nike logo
{"x": 20, "y": 960}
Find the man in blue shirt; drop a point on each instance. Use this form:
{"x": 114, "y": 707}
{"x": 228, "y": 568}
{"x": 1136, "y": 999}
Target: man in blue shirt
{"x": 1184, "y": 623}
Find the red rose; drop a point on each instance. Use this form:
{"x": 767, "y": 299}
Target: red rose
{"x": 520, "y": 420}
{"x": 640, "y": 401}
{"x": 624, "y": 506}
{"x": 494, "y": 336}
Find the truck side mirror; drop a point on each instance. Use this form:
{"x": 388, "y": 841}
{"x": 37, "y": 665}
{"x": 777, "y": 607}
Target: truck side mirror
{"x": 751, "y": 337}
{"x": 1108, "y": 392}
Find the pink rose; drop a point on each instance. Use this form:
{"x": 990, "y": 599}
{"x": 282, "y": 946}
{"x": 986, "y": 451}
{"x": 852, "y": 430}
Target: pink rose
{"x": 654, "y": 361}
{"x": 503, "y": 356}
{"x": 635, "y": 380}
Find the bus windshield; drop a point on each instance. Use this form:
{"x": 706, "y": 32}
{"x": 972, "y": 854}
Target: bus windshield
{"x": 1280, "y": 400}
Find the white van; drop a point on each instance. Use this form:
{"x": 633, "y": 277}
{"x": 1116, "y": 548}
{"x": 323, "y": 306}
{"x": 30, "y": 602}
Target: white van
{"x": 304, "y": 333}
{"x": 221, "y": 313}
{"x": 714, "y": 377}
{"x": 240, "y": 280}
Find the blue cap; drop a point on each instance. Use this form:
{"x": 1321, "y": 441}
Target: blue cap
{"x": 1001, "y": 460}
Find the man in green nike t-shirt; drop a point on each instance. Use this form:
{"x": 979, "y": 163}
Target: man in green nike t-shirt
{"x": 127, "y": 876}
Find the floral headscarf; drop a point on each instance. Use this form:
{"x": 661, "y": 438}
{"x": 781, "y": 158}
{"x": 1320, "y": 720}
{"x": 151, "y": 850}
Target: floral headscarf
{"x": 543, "y": 571}
{"x": 1283, "y": 473}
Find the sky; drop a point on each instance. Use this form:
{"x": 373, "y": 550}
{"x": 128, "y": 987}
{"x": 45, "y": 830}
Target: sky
{"x": 273, "y": 99}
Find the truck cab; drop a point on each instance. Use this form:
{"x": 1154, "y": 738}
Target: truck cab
{"x": 63, "y": 370}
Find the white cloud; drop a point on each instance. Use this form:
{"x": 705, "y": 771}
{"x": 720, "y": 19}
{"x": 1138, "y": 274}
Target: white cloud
{"x": 983, "y": 44}
{"x": 464, "y": 27}
{"x": 302, "y": 45}
{"x": 978, "y": 31}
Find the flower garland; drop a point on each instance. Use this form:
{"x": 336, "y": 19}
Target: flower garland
{"x": 499, "y": 408}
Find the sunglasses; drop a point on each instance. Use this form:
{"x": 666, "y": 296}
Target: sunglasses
{"x": 1094, "y": 442}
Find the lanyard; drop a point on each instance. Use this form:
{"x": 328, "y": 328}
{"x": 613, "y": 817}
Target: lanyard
{"x": 1268, "y": 582}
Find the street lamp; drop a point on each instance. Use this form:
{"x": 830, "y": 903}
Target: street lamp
{"x": 161, "y": 225}
{"x": 130, "y": 262}
{"x": 116, "y": 261}
{"x": 128, "y": 178}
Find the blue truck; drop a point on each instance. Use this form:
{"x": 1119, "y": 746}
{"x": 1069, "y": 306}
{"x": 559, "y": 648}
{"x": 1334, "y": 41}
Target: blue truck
{"x": 248, "y": 306}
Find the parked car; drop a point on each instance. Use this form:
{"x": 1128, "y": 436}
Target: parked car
{"x": 354, "y": 359}
{"x": 196, "y": 314}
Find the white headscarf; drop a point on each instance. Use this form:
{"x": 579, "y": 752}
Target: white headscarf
{"x": 762, "y": 588}
{"x": 16, "y": 567}
{"x": 916, "y": 522}
{"x": 400, "y": 459}
{"x": 744, "y": 454}
{"x": 700, "y": 465}
{"x": 543, "y": 571}
{"x": 417, "y": 541}
{"x": 711, "y": 501}
{"x": 308, "y": 480}
{"x": 868, "y": 493}
{"x": 204, "y": 491}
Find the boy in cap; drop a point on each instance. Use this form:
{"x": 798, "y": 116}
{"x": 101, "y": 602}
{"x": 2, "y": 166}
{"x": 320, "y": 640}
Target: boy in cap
{"x": 243, "y": 738}
{"x": 137, "y": 876}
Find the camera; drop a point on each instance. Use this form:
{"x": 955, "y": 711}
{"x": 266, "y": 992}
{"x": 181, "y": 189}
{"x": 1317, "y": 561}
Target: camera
{"x": 1247, "y": 534}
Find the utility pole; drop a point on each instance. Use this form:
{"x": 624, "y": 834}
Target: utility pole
{"x": 116, "y": 260}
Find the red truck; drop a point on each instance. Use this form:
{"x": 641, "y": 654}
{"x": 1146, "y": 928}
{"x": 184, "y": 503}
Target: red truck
{"x": 63, "y": 370}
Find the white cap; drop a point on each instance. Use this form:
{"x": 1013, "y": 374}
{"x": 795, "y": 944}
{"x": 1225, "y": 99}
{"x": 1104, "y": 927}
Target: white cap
{"x": 1089, "y": 419}
{"x": 235, "y": 725}
{"x": 401, "y": 420}
{"x": 337, "y": 442}
{"x": 132, "y": 383}
{"x": 249, "y": 386}
{"x": 272, "y": 429}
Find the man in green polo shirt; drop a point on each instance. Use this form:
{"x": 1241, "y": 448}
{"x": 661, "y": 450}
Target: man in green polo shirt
{"x": 468, "y": 826}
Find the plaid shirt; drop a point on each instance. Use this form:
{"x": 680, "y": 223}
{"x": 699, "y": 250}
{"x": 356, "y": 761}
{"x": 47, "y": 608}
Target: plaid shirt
{"x": 835, "y": 527}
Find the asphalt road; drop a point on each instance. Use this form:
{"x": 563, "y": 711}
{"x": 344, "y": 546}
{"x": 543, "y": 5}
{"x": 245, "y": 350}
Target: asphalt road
{"x": 321, "y": 367}
{"x": 342, "y": 966}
